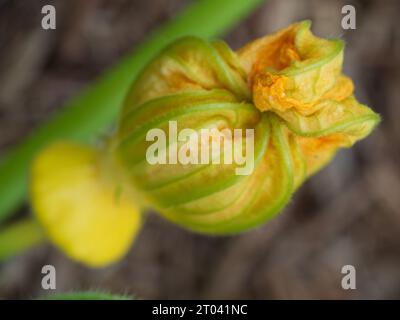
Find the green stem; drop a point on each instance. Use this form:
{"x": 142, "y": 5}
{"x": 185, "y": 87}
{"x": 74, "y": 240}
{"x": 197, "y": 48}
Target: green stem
{"x": 95, "y": 109}
{"x": 19, "y": 237}
{"x": 86, "y": 295}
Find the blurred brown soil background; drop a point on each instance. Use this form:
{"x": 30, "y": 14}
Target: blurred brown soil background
{"x": 347, "y": 214}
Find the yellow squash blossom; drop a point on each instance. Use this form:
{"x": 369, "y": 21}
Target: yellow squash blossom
{"x": 287, "y": 86}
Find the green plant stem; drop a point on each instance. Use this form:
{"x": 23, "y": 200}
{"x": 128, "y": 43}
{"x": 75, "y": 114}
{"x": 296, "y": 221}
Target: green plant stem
{"x": 19, "y": 236}
{"x": 86, "y": 295}
{"x": 95, "y": 109}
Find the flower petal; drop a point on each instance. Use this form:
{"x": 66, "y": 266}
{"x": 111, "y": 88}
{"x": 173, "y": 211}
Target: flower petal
{"x": 81, "y": 212}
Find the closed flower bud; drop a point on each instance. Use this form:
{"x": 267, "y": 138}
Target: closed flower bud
{"x": 287, "y": 89}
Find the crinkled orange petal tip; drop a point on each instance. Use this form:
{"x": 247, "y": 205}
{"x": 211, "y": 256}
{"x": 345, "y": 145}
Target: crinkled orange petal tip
{"x": 298, "y": 76}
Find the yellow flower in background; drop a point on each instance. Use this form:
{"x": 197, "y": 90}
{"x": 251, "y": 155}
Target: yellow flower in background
{"x": 75, "y": 199}
{"x": 287, "y": 86}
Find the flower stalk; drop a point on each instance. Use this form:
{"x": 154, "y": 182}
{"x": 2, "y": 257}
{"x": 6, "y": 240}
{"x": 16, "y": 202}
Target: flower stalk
{"x": 20, "y": 236}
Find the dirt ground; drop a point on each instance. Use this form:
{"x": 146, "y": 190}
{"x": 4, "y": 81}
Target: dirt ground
{"x": 347, "y": 214}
